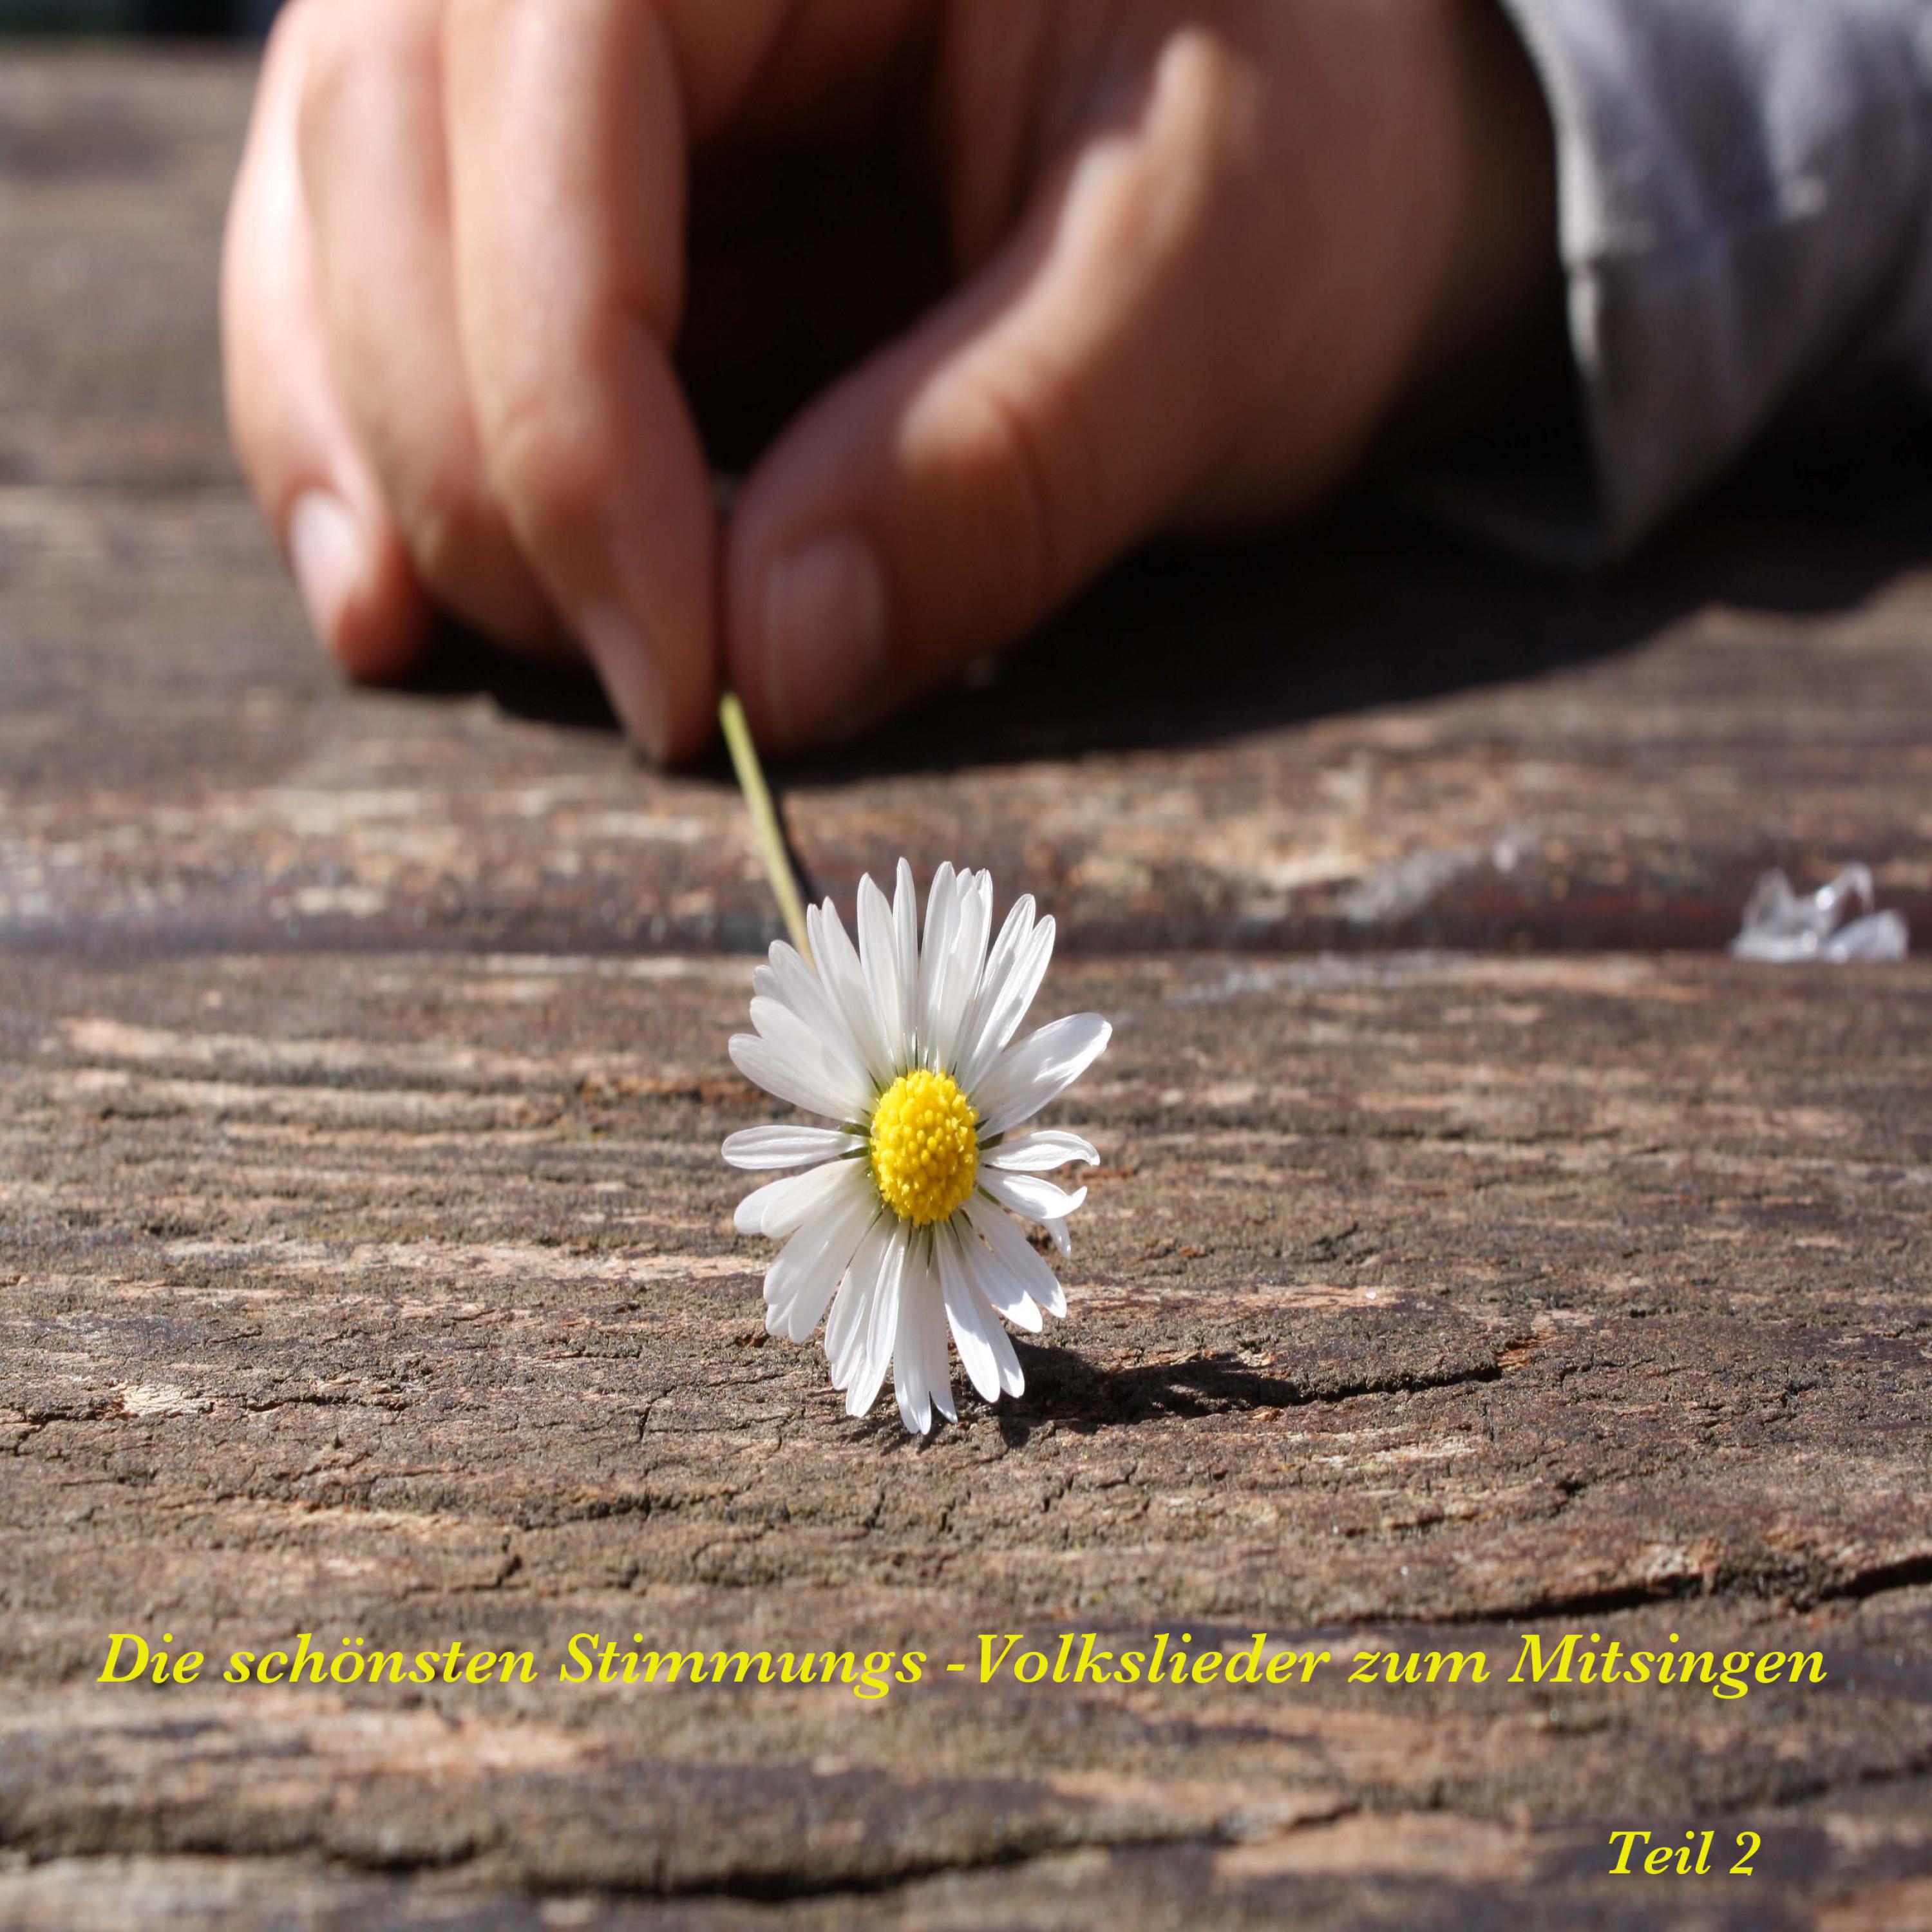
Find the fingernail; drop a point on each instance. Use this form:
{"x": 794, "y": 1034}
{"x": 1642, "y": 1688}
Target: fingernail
{"x": 826, "y": 622}
{"x": 629, "y": 669}
{"x": 326, "y": 553}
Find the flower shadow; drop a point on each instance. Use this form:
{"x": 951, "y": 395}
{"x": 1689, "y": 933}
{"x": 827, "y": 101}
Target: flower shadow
{"x": 1064, "y": 1387}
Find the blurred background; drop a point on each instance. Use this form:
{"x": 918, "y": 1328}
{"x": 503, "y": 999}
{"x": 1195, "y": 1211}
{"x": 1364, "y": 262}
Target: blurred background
{"x": 205, "y": 17}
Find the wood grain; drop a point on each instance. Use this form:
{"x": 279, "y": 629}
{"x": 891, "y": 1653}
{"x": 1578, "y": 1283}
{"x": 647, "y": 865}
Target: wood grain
{"x": 1474, "y": 1251}
{"x": 399, "y": 1300}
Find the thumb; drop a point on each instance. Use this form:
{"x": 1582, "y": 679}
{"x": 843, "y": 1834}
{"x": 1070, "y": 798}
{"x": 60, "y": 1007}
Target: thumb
{"x": 941, "y": 499}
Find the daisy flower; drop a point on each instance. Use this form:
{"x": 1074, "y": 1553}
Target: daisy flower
{"x": 899, "y": 1223}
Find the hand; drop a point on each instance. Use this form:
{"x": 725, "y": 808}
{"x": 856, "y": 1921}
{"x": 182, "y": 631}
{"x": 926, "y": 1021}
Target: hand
{"x": 1196, "y": 259}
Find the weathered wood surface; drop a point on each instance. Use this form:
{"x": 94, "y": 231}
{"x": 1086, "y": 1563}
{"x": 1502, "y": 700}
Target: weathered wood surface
{"x": 366, "y": 1267}
{"x": 399, "y": 1299}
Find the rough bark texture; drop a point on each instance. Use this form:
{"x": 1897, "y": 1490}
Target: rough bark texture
{"x": 366, "y": 1266}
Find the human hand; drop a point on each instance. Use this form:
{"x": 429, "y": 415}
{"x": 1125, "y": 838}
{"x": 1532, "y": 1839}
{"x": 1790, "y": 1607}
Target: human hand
{"x": 1197, "y": 259}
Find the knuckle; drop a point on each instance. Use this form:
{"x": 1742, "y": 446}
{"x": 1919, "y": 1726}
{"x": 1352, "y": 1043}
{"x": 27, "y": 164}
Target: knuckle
{"x": 1023, "y": 435}
{"x": 462, "y": 549}
{"x": 446, "y": 524}
{"x": 545, "y": 472}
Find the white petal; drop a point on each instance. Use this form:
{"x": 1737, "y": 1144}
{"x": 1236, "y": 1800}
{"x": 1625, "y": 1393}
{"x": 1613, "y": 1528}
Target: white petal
{"x": 844, "y": 976}
{"x": 905, "y": 951}
{"x": 794, "y": 1011}
{"x": 879, "y": 960}
{"x": 985, "y": 1352}
{"x": 1013, "y": 931}
{"x": 882, "y": 1327}
{"x": 959, "y": 967}
{"x": 1004, "y": 1006}
{"x": 778, "y": 1019}
{"x": 804, "y": 1082}
{"x": 1005, "y": 1292}
{"x": 934, "y": 951}
{"x": 1012, "y": 935}
{"x": 1006, "y": 1358}
{"x": 1028, "y": 1194}
{"x": 845, "y": 1328}
{"x": 830, "y": 1074}
{"x": 1012, "y": 1256}
{"x": 1041, "y": 1152}
{"x": 975, "y": 955}
{"x": 932, "y": 1340}
{"x": 940, "y": 1367}
{"x": 780, "y": 1207}
{"x": 1062, "y": 1240}
{"x": 799, "y": 1283}
{"x": 758, "y": 1149}
{"x": 789, "y": 980}
{"x": 1041, "y": 1068}
{"x": 846, "y": 1318}
{"x": 912, "y": 1385}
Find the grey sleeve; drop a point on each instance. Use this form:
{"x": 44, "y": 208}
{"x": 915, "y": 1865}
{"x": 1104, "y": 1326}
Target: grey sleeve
{"x": 1744, "y": 198}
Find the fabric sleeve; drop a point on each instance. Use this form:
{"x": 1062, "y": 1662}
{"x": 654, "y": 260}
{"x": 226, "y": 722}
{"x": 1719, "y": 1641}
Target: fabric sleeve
{"x": 1744, "y": 200}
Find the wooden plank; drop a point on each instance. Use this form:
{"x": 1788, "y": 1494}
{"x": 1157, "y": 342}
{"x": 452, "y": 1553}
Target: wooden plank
{"x": 114, "y": 169}
{"x": 177, "y": 770}
{"x": 397, "y": 1299}
{"x": 366, "y": 1265}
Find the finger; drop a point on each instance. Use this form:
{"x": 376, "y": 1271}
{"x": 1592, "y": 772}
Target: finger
{"x": 957, "y": 487}
{"x": 371, "y": 140}
{"x": 292, "y": 434}
{"x": 566, "y": 142}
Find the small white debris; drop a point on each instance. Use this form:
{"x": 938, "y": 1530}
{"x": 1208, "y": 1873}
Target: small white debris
{"x": 1781, "y": 927}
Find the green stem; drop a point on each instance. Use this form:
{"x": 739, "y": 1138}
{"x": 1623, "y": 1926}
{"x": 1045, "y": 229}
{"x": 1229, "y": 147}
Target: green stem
{"x": 764, "y": 818}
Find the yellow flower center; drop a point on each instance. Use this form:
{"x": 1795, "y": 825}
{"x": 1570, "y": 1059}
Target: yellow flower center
{"x": 925, "y": 1155}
